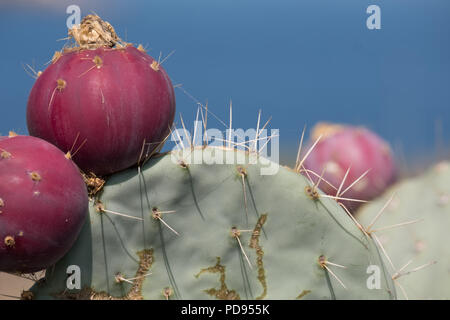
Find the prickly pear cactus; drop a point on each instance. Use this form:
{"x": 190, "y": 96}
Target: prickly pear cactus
{"x": 418, "y": 247}
{"x": 220, "y": 231}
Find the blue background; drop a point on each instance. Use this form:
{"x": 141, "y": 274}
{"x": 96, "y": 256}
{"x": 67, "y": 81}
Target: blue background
{"x": 299, "y": 61}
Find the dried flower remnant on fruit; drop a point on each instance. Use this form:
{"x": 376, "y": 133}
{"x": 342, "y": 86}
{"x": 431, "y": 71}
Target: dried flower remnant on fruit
{"x": 93, "y": 33}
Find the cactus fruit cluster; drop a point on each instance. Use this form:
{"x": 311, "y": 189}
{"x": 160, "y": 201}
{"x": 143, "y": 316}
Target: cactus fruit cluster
{"x": 111, "y": 218}
{"x": 422, "y": 204}
{"x": 102, "y": 97}
{"x": 345, "y": 154}
{"x": 197, "y": 231}
{"x": 43, "y": 204}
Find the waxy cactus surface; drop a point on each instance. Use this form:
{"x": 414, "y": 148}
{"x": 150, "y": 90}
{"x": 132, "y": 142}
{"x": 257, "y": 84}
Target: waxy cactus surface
{"x": 421, "y": 208}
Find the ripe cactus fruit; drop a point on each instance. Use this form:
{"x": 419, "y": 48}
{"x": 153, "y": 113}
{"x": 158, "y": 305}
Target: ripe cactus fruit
{"x": 43, "y": 204}
{"x": 175, "y": 230}
{"x": 425, "y": 202}
{"x": 344, "y": 154}
{"x": 103, "y": 97}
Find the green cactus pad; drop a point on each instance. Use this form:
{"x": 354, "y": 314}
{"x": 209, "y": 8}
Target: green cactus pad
{"x": 292, "y": 241}
{"x": 425, "y": 198}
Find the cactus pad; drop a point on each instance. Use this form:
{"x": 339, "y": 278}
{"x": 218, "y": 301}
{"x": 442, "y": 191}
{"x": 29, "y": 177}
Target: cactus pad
{"x": 217, "y": 231}
{"x": 425, "y": 202}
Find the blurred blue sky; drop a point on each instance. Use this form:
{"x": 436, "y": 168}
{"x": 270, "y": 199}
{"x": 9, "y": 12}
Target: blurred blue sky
{"x": 300, "y": 61}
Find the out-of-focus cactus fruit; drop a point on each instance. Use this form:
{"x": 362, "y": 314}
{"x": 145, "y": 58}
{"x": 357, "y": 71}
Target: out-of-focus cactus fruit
{"x": 354, "y": 161}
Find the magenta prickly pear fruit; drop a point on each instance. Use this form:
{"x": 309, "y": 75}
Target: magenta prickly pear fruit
{"x": 103, "y": 97}
{"x": 43, "y": 204}
{"x": 342, "y": 147}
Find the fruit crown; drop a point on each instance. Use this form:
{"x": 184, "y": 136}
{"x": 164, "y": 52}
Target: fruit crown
{"x": 93, "y": 33}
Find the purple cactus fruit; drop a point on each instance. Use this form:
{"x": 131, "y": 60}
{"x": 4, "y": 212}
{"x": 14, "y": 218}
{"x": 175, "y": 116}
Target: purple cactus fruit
{"x": 103, "y": 101}
{"x": 342, "y": 147}
{"x": 43, "y": 204}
